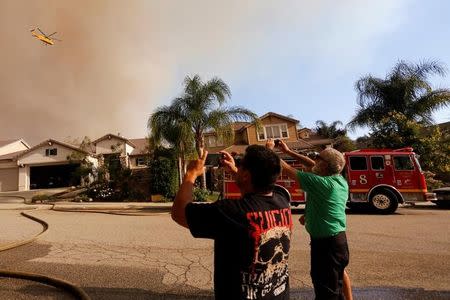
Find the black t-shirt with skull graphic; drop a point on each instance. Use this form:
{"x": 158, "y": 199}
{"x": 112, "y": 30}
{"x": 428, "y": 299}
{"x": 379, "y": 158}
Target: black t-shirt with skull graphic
{"x": 251, "y": 244}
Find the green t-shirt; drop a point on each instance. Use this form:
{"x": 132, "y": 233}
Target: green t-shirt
{"x": 325, "y": 203}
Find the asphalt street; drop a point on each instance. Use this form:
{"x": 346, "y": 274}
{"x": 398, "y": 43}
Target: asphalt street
{"x": 148, "y": 256}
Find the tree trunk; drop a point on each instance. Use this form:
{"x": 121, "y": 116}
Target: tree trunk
{"x": 180, "y": 170}
{"x": 200, "y": 145}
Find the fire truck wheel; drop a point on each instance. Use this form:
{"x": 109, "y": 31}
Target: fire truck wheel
{"x": 384, "y": 201}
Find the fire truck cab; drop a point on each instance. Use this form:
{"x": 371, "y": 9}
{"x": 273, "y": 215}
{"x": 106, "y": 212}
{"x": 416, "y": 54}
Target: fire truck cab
{"x": 383, "y": 178}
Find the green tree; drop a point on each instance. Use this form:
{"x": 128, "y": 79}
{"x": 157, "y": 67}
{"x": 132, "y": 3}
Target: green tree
{"x": 330, "y": 131}
{"x": 339, "y": 135}
{"x": 405, "y": 90}
{"x": 85, "y": 168}
{"x": 398, "y": 110}
{"x": 200, "y": 108}
{"x": 396, "y": 131}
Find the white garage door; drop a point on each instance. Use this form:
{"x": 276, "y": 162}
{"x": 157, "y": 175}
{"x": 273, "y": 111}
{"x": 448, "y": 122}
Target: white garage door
{"x": 9, "y": 179}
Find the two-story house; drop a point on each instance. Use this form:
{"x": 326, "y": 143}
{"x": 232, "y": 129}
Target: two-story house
{"x": 273, "y": 126}
{"x": 131, "y": 153}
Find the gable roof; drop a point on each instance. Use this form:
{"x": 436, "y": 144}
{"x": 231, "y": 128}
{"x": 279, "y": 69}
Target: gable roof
{"x": 11, "y": 156}
{"x": 270, "y": 114}
{"x": 50, "y": 142}
{"x": 142, "y": 146}
{"x": 304, "y": 129}
{"x": 7, "y": 142}
{"x": 278, "y": 116}
{"x": 294, "y": 145}
{"x": 110, "y": 136}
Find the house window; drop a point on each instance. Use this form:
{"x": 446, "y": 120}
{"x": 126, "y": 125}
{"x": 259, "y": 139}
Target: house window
{"x": 273, "y": 131}
{"x": 51, "y": 152}
{"x": 140, "y": 161}
{"x": 214, "y": 141}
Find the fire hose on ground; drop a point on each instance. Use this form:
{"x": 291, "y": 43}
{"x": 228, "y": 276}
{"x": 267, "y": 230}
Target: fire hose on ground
{"x": 55, "y": 282}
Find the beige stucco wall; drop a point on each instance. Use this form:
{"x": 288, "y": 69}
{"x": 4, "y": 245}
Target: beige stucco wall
{"x": 104, "y": 146}
{"x": 133, "y": 163}
{"x": 13, "y": 147}
{"x": 37, "y": 156}
{"x": 128, "y": 149}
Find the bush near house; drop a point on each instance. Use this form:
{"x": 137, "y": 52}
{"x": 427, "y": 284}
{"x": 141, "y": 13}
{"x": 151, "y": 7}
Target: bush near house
{"x": 201, "y": 195}
{"x": 163, "y": 177}
{"x": 127, "y": 186}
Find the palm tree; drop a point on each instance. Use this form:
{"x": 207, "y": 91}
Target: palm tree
{"x": 405, "y": 90}
{"x": 330, "y": 131}
{"x": 198, "y": 110}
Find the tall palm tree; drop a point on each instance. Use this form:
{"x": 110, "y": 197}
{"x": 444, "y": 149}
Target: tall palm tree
{"x": 166, "y": 128}
{"x": 405, "y": 90}
{"x": 330, "y": 131}
{"x": 198, "y": 110}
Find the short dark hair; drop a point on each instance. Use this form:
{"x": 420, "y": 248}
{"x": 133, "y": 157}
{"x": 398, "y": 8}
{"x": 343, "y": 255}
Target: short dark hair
{"x": 264, "y": 166}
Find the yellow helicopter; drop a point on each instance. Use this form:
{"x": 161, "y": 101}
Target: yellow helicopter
{"x": 46, "y": 39}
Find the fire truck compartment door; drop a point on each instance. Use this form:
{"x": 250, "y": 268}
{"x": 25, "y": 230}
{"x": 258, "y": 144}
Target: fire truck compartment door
{"x": 379, "y": 171}
{"x": 405, "y": 172}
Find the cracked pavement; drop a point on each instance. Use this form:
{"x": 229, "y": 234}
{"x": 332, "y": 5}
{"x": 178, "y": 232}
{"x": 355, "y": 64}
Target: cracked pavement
{"x": 150, "y": 257}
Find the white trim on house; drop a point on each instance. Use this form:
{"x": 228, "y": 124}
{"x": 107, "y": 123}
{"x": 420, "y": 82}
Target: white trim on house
{"x": 266, "y": 135}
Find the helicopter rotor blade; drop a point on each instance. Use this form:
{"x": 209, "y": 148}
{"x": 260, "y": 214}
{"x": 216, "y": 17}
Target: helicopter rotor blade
{"x": 51, "y": 34}
{"x": 41, "y": 31}
{"x": 57, "y": 40}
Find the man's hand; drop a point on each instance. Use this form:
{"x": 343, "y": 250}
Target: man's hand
{"x": 196, "y": 167}
{"x": 270, "y": 144}
{"x": 283, "y": 147}
{"x": 228, "y": 161}
{"x": 184, "y": 194}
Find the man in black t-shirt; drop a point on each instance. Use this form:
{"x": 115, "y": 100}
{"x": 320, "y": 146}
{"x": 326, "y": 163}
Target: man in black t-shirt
{"x": 251, "y": 235}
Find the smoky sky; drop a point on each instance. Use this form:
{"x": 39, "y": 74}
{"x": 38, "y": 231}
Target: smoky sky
{"x": 119, "y": 60}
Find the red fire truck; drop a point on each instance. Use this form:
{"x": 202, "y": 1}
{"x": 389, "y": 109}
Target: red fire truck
{"x": 381, "y": 178}
{"x": 384, "y": 178}
{"x": 231, "y": 191}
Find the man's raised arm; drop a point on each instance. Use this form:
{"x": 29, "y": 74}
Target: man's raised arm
{"x": 185, "y": 193}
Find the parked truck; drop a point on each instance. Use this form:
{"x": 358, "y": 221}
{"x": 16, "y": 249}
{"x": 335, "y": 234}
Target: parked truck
{"x": 379, "y": 178}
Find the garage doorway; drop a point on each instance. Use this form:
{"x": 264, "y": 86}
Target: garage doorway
{"x": 46, "y": 177}
{"x": 9, "y": 179}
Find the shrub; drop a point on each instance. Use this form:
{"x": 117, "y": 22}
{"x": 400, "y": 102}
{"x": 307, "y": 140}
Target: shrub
{"x": 163, "y": 176}
{"x": 102, "y": 192}
{"x": 200, "y": 195}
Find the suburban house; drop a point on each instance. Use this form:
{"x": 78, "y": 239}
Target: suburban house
{"x": 131, "y": 153}
{"x": 49, "y": 165}
{"x": 273, "y": 126}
